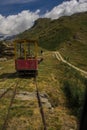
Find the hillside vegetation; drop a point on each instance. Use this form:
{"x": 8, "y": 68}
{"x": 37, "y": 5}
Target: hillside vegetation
{"x": 62, "y": 86}
{"x": 51, "y": 33}
{"x": 67, "y": 34}
{"x": 25, "y": 111}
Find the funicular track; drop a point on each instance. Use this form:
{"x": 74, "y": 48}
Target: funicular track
{"x": 4, "y": 127}
{"x": 7, "y": 90}
{"x": 40, "y": 105}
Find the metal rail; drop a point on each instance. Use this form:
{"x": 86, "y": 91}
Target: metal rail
{"x": 7, "y": 90}
{"x": 2, "y": 95}
{"x": 40, "y": 106}
{"x": 10, "y": 105}
{"x": 4, "y": 127}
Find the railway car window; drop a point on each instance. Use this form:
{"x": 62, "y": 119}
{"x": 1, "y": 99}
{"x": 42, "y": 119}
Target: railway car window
{"x": 24, "y": 50}
{"x": 20, "y": 50}
{"x": 30, "y": 50}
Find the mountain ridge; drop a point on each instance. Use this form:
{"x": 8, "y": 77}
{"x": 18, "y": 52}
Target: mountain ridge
{"x": 52, "y": 33}
{"x": 67, "y": 34}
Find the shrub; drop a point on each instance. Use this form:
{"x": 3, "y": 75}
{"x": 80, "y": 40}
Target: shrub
{"x": 75, "y": 92}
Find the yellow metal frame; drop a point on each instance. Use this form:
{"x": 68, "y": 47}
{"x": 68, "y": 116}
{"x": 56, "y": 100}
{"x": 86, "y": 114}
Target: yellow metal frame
{"x": 36, "y": 49}
{"x": 24, "y": 42}
{"x": 15, "y": 50}
{"x": 25, "y": 50}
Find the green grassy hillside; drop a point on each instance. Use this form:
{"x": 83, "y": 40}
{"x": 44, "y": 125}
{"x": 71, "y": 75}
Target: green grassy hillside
{"x": 51, "y": 33}
{"x": 67, "y": 34}
{"x": 63, "y": 86}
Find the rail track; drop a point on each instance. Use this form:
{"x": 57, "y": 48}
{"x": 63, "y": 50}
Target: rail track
{"x": 4, "y": 127}
{"x": 40, "y": 105}
{"x": 7, "y": 90}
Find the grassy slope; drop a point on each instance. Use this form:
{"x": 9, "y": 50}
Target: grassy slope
{"x": 67, "y": 34}
{"x": 26, "y": 112}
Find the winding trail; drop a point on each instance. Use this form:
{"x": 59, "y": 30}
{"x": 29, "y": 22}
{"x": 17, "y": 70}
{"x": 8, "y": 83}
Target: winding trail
{"x": 60, "y": 58}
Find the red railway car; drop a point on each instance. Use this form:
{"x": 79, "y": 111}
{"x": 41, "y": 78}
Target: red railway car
{"x": 26, "y": 61}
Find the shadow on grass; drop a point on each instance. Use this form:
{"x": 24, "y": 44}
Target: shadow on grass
{"x": 16, "y": 75}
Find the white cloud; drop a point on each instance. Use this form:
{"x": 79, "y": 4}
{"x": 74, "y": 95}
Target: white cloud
{"x": 67, "y": 8}
{"x": 82, "y": 0}
{"x": 15, "y": 24}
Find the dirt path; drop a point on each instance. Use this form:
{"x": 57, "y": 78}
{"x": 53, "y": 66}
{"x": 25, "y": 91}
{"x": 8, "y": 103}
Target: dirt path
{"x": 60, "y": 58}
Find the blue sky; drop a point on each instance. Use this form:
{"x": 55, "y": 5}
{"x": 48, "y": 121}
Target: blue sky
{"x": 17, "y": 16}
{"x": 9, "y": 7}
